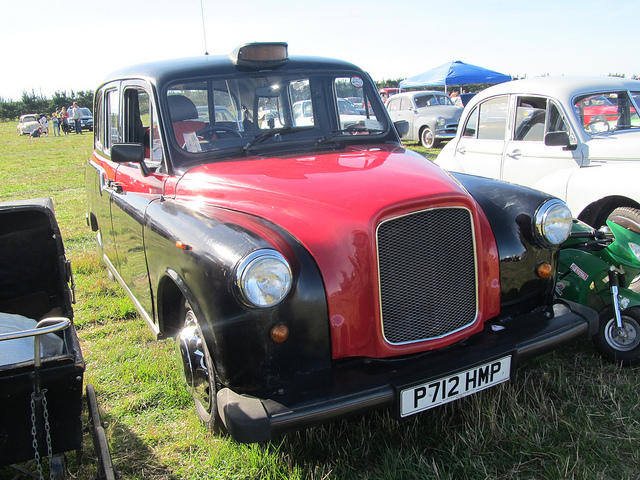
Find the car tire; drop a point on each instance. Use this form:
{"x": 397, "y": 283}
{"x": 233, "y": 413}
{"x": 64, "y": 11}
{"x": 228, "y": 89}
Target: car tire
{"x": 629, "y": 218}
{"x": 624, "y": 348}
{"x": 206, "y": 407}
{"x": 427, "y": 138}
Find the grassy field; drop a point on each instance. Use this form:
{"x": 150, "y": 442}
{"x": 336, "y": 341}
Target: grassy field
{"x": 566, "y": 415}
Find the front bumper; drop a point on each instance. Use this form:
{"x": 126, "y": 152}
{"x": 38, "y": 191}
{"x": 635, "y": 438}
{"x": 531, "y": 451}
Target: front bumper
{"x": 362, "y": 385}
{"x": 445, "y": 134}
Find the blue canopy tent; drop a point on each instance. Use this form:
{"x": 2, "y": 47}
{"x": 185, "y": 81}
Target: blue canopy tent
{"x": 454, "y": 74}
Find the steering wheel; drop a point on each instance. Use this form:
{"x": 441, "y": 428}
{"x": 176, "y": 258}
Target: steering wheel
{"x": 208, "y": 132}
{"x": 598, "y": 124}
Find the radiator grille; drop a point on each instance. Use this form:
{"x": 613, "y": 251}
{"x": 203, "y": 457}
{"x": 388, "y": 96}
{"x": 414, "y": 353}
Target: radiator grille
{"x": 427, "y": 274}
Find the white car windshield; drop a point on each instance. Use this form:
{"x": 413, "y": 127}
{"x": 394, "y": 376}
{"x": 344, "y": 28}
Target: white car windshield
{"x": 606, "y": 112}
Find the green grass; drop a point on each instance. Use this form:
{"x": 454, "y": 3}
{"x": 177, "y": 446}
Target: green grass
{"x": 566, "y": 415}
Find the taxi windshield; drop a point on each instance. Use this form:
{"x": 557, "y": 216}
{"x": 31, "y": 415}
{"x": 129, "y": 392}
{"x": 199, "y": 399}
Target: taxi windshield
{"x": 253, "y": 112}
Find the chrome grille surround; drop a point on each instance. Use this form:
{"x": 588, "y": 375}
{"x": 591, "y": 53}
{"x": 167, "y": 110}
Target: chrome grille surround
{"x": 427, "y": 270}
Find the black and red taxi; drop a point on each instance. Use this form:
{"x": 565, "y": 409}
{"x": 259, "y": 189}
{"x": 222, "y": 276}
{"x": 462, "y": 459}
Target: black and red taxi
{"x": 309, "y": 266}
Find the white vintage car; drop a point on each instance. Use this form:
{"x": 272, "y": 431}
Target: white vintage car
{"x": 576, "y": 138}
{"x": 27, "y": 124}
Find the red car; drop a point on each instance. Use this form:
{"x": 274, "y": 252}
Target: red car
{"x": 315, "y": 269}
{"x": 385, "y": 93}
{"x": 597, "y": 106}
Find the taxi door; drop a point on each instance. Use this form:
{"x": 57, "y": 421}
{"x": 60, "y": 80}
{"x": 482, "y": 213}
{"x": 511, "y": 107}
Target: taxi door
{"x": 134, "y": 192}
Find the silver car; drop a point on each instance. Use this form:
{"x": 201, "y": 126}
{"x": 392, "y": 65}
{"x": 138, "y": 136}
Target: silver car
{"x": 431, "y": 115}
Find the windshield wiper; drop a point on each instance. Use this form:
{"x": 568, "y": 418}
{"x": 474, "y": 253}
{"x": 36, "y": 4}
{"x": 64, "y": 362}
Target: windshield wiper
{"x": 275, "y": 132}
{"x": 349, "y": 131}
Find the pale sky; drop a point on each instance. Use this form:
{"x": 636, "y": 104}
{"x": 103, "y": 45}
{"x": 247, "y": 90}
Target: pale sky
{"x": 71, "y": 45}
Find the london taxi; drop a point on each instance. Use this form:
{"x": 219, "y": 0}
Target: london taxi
{"x": 313, "y": 268}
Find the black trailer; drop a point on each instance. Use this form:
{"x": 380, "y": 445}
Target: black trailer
{"x": 41, "y": 363}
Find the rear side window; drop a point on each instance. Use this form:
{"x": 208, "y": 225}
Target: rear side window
{"x": 394, "y": 105}
{"x": 488, "y": 121}
{"x": 492, "y": 119}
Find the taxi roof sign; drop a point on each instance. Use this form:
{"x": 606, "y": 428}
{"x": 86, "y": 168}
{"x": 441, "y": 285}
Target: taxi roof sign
{"x": 260, "y": 54}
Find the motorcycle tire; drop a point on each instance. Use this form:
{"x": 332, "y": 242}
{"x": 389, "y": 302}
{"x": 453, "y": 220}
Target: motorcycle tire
{"x": 623, "y": 347}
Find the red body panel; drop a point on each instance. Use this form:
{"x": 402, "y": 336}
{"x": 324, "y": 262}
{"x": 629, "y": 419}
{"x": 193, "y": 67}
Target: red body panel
{"x": 332, "y": 203}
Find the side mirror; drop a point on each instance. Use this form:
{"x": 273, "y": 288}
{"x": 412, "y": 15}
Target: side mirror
{"x": 557, "y": 139}
{"x": 402, "y": 127}
{"x": 129, "y": 153}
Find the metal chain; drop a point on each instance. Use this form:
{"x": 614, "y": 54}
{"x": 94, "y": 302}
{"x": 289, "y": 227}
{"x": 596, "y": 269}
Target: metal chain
{"x": 47, "y": 428}
{"x": 34, "y": 433}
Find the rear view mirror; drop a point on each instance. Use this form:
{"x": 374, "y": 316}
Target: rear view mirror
{"x": 268, "y": 92}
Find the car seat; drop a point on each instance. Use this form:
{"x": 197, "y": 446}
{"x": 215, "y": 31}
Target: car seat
{"x": 184, "y": 116}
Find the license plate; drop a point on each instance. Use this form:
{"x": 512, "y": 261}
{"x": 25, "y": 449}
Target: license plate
{"x": 446, "y": 389}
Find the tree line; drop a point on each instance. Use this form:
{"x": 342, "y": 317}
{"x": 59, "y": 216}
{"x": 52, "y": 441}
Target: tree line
{"x": 40, "y": 104}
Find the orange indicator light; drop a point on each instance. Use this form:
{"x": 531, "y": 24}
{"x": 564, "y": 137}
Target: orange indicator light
{"x": 544, "y": 270}
{"x": 279, "y": 333}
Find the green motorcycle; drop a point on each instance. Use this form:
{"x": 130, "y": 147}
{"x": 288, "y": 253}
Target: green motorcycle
{"x": 596, "y": 268}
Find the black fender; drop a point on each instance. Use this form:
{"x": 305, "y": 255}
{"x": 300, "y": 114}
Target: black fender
{"x": 212, "y": 243}
{"x": 508, "y": 208}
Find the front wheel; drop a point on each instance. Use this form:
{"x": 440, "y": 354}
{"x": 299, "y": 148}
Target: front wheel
{"x": 427, "y": 138}
{"x": 199, "y": 371}
{"x": 619, "y": 345}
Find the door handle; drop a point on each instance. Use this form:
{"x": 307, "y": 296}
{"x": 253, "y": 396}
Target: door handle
{"x": 461, "y": 150}
{"x": 516, "y": 154}
{"x": 117, "y": 186}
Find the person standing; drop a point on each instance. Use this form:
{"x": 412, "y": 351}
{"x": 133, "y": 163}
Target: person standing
{"x": 55, "y": 119}
{"x": 64, "y": 120}
{"x": 44, "y": 125}
{"x": 77, "y": 115}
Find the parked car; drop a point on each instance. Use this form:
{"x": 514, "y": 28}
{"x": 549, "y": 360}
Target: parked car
{"x": 385, "y": 93}
{"x": 431, "y": 115}
{"x": 575, "y": 138}
{"x": 28, "y": 123}
{"x": 310, "y": 272}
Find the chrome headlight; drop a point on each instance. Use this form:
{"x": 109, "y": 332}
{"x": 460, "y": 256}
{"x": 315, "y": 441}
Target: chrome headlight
{"x": 264, "y": 278}
{"x": 553, "y": 222}
{"x": 441, "y": 122}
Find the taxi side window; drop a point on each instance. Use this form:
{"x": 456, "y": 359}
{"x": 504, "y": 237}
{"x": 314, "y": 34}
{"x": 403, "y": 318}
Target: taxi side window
{"x": 394, "y": 105}
{"x": 140, "y": 124}
{"x": 112, "y": 117}
{"x": 98, "y": 132}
